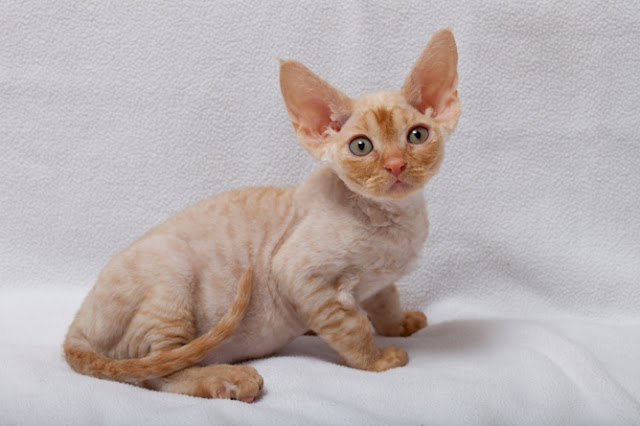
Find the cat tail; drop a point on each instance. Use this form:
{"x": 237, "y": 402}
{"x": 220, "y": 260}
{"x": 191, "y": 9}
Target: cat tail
{"x": 84, "y": 360}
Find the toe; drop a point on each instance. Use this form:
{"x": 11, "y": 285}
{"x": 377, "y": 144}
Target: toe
{"x": 413, "y": 321}
{"x": 247, "y": 383}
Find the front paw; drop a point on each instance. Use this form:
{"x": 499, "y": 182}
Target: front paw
{"x": 413, "y": 321}
{"x": 391, "y": 357}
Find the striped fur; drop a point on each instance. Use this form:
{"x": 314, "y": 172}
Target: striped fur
{"x": 86, "y": 361}
{"x": 239, "y": 275}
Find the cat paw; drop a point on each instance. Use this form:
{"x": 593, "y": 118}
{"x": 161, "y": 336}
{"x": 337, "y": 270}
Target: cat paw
{"x": 242, "y": 383}
{"x": 413, "y": 321}
{"x": 391, "y": 357}
{"x": 239, "y": 382}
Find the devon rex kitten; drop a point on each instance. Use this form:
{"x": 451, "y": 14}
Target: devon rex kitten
{"x": 239, "y": 275}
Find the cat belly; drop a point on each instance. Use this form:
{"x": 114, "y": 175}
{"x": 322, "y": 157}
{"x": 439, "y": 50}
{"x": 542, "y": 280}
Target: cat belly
{"x": 268, "y": 325}
{"x": 243, "y": 346}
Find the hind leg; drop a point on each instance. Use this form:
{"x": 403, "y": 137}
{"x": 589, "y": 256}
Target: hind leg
{"x": 167, "y": 329}
{"x": 224, "y": 381}
{"x": 143, "y": 305}
{"x": 164, "y": 330}
{"x": 156, "y": 329}
{"x": 143, "y": 301}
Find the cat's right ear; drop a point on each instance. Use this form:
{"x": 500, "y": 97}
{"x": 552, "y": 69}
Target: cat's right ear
{"x": 316, "y": 109}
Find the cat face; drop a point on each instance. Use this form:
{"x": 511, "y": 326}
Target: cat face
{"x": 383, "y": 145}
{"x": 386, "y": 149}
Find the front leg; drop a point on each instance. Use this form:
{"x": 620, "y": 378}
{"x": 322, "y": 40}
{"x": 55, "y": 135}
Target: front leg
{"x": 387, "y": 316}
{"x": 335, "y": 317}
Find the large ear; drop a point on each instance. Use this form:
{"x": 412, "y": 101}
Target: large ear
{"x": 433, "y": 80}
{"x": 316, "y": 108}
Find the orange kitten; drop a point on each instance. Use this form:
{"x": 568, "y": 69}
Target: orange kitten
{"x": 239, "y": 275}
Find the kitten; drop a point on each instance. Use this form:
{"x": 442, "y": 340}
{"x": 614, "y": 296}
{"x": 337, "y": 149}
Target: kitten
{"x": 241, "y": 274}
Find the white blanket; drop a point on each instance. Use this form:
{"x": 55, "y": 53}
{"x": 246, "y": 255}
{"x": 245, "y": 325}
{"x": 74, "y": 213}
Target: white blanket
{"x": 114, "y": 115}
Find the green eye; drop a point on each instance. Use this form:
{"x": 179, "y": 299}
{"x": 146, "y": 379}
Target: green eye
{"x": 418, "y": 135}
{"x": 360, "y": 146}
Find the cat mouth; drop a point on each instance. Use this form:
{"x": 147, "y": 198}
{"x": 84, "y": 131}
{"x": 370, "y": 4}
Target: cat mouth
{"x": 399, "y": 185}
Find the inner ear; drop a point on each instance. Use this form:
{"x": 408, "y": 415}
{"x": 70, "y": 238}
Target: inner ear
{"x": 314, "y": 106}
{"x": 433, "y": 80}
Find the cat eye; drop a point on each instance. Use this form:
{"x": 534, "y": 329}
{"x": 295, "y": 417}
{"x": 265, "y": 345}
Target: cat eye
{"x": 360, "y": 146}
{"x": 418, "y": 135}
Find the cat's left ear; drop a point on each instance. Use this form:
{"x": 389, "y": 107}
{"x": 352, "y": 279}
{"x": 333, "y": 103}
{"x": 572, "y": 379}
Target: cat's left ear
{"x": 316, "y": 108}
{"x": 433, "y": 80}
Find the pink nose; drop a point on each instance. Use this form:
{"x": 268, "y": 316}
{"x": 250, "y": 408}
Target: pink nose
{"x": 395, "y": 166}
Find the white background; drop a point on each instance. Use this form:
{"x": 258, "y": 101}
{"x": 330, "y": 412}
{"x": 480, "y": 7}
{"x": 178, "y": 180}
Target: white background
{"x": 114, "y": 115}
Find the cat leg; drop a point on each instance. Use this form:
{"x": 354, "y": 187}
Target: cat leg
{"x": 238, "y": 382}
{"x": 171, "y": 330}
{"x": 223, "y": 381}
{"x": 336, "y": 318}
{"x": 387, "y": 316}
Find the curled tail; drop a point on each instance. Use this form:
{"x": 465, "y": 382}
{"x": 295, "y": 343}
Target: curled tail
{"x": 84, "y": 360}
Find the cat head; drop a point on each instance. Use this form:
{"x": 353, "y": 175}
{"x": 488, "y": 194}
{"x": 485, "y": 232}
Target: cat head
{"x": 384, "y": 145}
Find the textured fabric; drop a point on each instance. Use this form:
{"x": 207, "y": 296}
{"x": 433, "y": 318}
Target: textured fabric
{"x": 114, "y": 115}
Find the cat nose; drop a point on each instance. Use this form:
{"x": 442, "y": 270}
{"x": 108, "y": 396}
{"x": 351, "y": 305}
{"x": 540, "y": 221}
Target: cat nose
{"x": 395, "y": 166}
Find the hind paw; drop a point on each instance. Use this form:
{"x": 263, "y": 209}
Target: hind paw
{"x": 239, "y": 382}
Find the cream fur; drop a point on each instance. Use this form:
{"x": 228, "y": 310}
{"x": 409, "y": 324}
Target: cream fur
{"x": 308, "y": 255}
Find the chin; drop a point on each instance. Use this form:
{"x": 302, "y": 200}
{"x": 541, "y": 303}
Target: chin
{"x": 395, "y": 192}
{"x": 383, "y": 191}
{"x": 400, "y": 194}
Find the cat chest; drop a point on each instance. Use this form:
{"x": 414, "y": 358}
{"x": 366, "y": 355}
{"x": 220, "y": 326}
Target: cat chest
{"x": 350, "y": 249}
{"x": 384, "y": 260}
